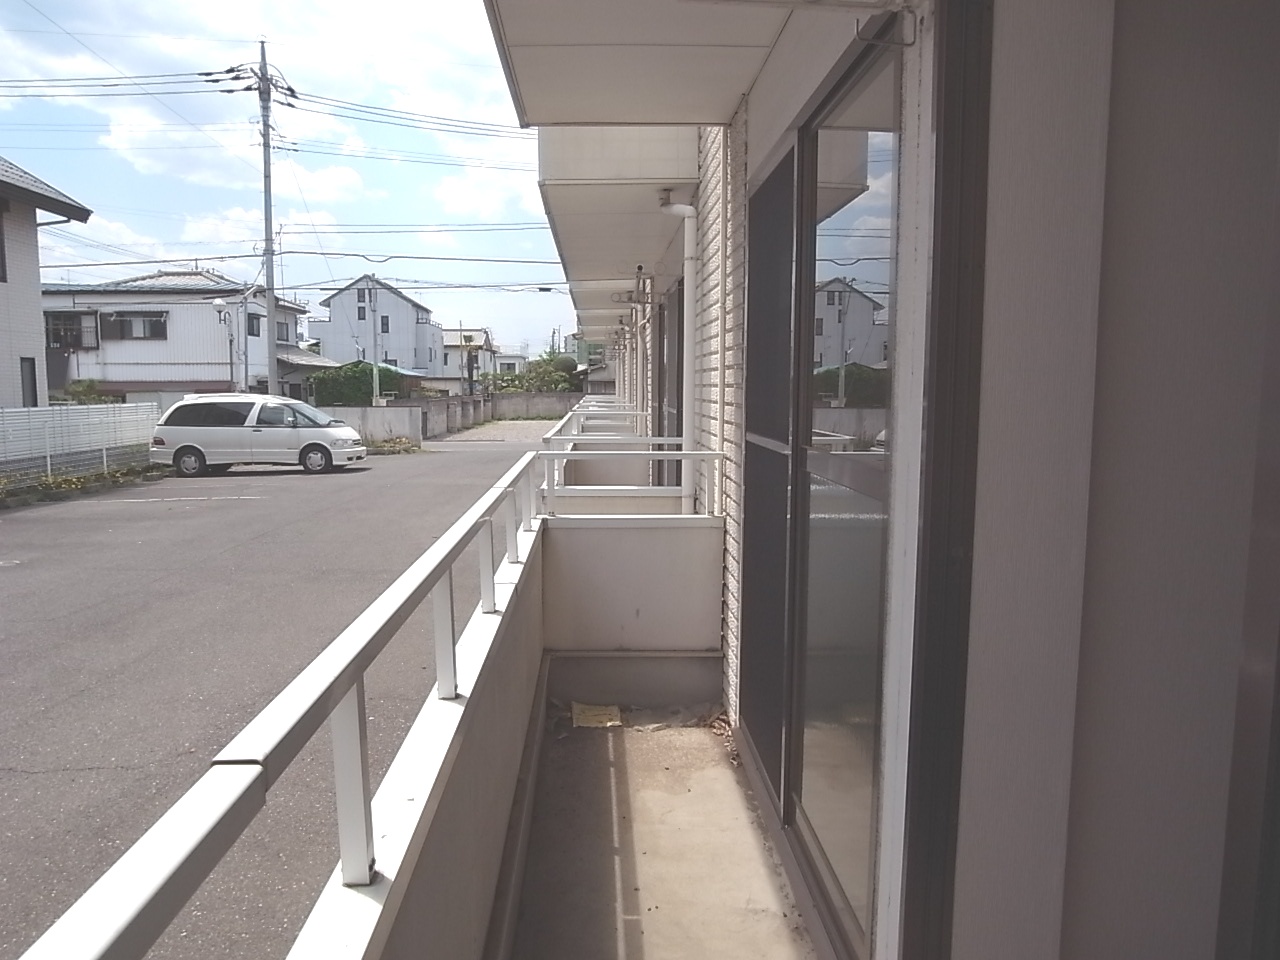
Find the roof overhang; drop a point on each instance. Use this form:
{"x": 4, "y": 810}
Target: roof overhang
{"x": 581, "y": 62}
{"x": 603, "y": 189}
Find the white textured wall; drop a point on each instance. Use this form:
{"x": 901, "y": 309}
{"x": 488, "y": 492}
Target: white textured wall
{"x": 720, "y": 319}
{"x": 622, "y": 584}
{"x": 21, "y": 320}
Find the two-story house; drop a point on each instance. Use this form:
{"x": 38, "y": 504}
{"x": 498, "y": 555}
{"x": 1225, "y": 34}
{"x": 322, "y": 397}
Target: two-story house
{"x": 169, "y": 333}
{"x": 22, "y": 375}
{"x": 848, "y": 326}
{"x": 370, "y": 311}
{"x": 462, "y": 342}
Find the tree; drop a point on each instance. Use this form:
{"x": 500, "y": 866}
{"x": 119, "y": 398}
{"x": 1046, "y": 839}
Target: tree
{"x": 351, "y": 385}
{"x": 863, "y": 386}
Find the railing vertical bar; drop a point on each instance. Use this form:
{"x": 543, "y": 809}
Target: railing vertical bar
{"x": 532, "y": 490}
{"x": 349, "y": 726}
{"x": 549, "y": 498}
{"x": 446, "y": 655}
{"x": 484, "y": 543}
{"x": 525, "y": 492}
{"x": 512, "y": 504}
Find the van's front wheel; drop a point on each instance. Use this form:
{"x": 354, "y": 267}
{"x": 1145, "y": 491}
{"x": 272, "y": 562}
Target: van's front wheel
{"x": 316, "y": 459}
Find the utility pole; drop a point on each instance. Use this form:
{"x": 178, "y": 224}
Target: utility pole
{"x": 268, "y": 252}
{"x": 840, "y": 320}
{"x": 375, "y": 325}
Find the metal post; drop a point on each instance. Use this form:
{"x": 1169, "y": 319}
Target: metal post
{"x": 48, "y": 455}
{"x": 446, "y": 655}
{"x": 268, "y": 240}
{"x": 488, "y": 602}
{"x": 524, "y": 502}
{"x": 375, "y": 327}
{"x": 512, "y": 503}
{"x": 549, "y": 498}
{"x": 349, "y": 728}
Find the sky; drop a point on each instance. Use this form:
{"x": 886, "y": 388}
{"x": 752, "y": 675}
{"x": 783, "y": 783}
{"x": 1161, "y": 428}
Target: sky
{"x": 430, "y": 200}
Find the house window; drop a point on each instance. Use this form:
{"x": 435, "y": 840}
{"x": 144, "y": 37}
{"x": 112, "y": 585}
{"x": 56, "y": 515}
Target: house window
{"x": 507, "y": 366}
{"x": 135, "y": 326}
{"x": 71, "y": 331}
{"x": 831, "y": 298}
{"x": 817, "y": 327}
{"x": 386, "y": 323}
{"x": 282, "y": 332}
{"x": 360, "y": 313}
{"x": 446, "y": 358}
{"x": 360, "y": 295}
{"x": 253, "y": 323}
{"x": 391, "y": 361}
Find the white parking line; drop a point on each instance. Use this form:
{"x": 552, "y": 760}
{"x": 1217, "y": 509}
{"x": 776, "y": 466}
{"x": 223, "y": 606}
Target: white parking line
{"x": 169, "y": 499}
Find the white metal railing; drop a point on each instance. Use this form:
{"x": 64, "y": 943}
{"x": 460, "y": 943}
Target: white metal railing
{"x": 128, "y": 908}
{"x": 554, "y": 460}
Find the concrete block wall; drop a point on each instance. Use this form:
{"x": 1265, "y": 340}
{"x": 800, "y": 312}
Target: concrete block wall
{"x": 380, "y": 423}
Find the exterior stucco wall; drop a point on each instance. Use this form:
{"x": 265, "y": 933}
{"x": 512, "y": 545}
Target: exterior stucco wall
{"x": 21, "y": 322}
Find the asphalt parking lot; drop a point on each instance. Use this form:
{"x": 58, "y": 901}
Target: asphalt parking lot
{"x": 141, "y": 628}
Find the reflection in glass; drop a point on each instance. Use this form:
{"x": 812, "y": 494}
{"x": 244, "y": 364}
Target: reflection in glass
{"x": 854, "y": 224}
{"x": 842, "y": 681}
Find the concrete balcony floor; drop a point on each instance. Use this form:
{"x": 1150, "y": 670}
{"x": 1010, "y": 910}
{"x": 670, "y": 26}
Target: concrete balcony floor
{"x": 646, "y": 843}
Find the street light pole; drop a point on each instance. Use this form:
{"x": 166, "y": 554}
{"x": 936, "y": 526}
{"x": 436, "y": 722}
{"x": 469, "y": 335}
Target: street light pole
{"x": 224, "y": 316}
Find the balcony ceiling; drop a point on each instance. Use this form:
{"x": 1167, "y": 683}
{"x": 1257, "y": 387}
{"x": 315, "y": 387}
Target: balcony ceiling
{"x": 583, "y": 62}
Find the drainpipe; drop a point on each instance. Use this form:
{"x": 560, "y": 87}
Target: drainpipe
{"x": 690, "y": 296}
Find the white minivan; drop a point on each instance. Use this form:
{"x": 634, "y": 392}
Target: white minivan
{"x": 211, "y": 432}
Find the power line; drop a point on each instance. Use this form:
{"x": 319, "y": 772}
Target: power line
{"x": 122, "y": 73}
{"x": 409, "y": 126}
{"x": 370, "y": 257}
{"x": 411, "y": 115}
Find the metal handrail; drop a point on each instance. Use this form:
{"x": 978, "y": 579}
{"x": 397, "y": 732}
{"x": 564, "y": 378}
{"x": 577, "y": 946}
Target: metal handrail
{"x": 554, "y": 460}
{"x": 129, "y": 907}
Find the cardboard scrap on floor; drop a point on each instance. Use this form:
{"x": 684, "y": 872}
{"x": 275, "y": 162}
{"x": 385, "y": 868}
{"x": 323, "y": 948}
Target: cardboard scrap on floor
{"x": 590, "y": 715}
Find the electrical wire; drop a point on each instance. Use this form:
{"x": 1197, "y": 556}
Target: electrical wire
{"x": 123, "y": 74}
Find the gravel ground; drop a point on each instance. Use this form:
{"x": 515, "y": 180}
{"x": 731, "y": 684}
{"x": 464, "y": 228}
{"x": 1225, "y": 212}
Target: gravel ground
{"x": 527, "y": 431}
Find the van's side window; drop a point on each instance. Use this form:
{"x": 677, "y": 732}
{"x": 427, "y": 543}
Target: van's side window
{"x": 274, "y": 415}
{"x": 214, "y": 414}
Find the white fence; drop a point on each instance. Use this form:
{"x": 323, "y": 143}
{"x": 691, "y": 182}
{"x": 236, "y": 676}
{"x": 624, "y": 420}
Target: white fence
{"x": 39, "y": 443}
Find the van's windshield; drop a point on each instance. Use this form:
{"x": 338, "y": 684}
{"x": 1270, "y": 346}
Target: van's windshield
{"x": 310, "y": 416}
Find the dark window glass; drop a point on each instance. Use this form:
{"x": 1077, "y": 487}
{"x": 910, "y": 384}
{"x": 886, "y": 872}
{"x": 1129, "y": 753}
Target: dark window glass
{"x": 771, "y": 253}
{"x": 764, "y": 604}
{"x": 359, "y": 313}
{"x": 139, "y": 326}
{"x": 386, "y": 324}
{"x": 282, "y": 331}
{"x": 360, "y": 295}
{"x": 276, "y": 415}
{"x": 222, "y": 413}
{"x": 254, "y": 324}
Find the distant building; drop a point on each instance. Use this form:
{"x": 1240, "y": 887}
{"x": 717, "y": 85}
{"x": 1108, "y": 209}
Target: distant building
{"x": 366, "y": 308}
{"x": 161, "y": 335}
{"x": 23, "y": 380}
{"x": 846, "y": 320}
{"x": 461, "y": 341}
{"x": 511, "y": 361}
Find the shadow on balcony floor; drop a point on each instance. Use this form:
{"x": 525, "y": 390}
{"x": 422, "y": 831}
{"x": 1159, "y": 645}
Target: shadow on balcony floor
{"x": 645, "y": 843}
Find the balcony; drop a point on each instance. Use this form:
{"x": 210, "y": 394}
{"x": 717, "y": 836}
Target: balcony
{"x": 515, "y": 821}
